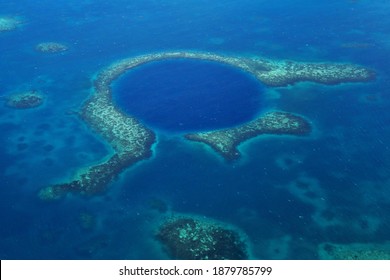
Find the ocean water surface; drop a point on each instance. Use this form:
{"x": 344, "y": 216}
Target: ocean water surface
{"x": 320, "y": 196}
{"x": 187, "y": 95}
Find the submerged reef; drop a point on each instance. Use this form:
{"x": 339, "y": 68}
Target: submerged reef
{"x": 87, "y": 221}
{"x": 355, "y": 251}
{"x": 190, "y": 238}
{"x": 225, "y": 141}
{"x": 95, "y": 179}
{"x": 25, "y": 100}
{"x": 9, "y": 23}
{"x": 270, "y": 72}
{"x": 283, "y": 73}
{"x": 51, "y": 47}
{"x": 132, "y": 141}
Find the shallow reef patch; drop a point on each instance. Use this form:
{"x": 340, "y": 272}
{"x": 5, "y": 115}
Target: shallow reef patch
{"x": 191, "y": 238}
{"x": 51, "y": 47}
{"x": 25, "y": 100}
{"x": 225, "y": 141}
{"x": 8, "y": 23}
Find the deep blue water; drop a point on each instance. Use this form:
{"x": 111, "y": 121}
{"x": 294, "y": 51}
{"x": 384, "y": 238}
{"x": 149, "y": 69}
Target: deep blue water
{"x": 187, "y": 95}
{"x": 289, "y": 195}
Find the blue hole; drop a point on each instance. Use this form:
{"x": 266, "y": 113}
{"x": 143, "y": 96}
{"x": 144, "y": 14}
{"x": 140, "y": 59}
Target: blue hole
{"x": 188, "y": 95}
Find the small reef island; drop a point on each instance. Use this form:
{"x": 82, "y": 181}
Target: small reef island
{"x": 51, "y": 47}
{"x": 9, "y": 23}
{"x": 191, "y": 238}
{"x": 132, "y": 141}
{"x": 225, "y": 141}
{"x": 25, "y": 100}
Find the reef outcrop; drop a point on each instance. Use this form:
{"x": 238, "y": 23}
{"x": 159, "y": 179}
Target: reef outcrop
{"x": 283, "y": 73}
{"x": 355, "y": 251}
{"x": 9, "y": 23}
{"x": 190, "y": 238}
{"x": 225, "y": 141}
{"x": 51, "y": 47}
{"x": 95, "y": 179}
{"x": 132, "y": 141}
{"x": 25, "y": 100}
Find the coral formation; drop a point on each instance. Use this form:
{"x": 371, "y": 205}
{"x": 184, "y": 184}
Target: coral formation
{"x": 354, "y": 251}
{"x": 91, "y": 181}
{"x": 158, "y": 205}
{"x": 225, "y": 141}
{"x": 51, "y": 47}
{"x": 190, "y": 238}
{"x": 8, "y": 23}
{"x": 283, "y": 73}
{"x": 25, "y": 100}
{"x": 87, "y": 220}
{"x": 132, "y": 141}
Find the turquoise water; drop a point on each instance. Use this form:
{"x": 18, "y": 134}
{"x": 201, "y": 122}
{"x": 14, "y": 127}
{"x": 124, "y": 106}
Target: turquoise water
{"x": 290, "y": 195}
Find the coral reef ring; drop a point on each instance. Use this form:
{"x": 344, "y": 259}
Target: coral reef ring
{"x": 132, "y": 141}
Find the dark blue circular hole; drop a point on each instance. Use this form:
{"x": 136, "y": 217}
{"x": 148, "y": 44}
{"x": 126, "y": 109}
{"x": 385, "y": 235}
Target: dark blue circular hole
{"x": 188, "y": 95}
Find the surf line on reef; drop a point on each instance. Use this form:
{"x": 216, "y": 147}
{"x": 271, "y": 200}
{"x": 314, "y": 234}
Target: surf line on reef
{"x": 132, "y": 141}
